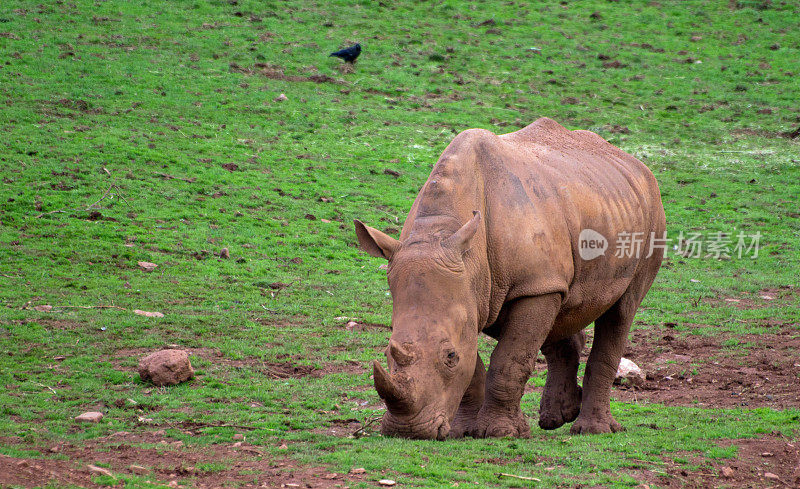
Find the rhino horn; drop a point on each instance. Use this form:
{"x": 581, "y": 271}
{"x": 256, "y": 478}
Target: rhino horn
{"x": 386, "y": 387}
{"x": 399, "y": 354}
{"x": 460, "y": 240}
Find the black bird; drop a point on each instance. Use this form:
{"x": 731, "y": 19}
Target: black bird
{"x": 349, "y": 55}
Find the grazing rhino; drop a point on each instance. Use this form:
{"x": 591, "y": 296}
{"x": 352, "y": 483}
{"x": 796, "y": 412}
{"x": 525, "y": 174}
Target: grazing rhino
{"x": 493, "y": 245}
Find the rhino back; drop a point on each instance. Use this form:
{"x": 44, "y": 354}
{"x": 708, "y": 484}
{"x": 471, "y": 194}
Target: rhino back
{"x": 537, "y": 189}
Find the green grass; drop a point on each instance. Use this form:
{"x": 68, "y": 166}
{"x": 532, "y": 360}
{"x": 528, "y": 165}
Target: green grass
{"x": 136, "y": 106}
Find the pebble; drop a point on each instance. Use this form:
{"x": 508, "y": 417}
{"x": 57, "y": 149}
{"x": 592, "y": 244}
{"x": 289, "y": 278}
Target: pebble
{"x": 99, "y": 470}
{"x": 90, "y": 417}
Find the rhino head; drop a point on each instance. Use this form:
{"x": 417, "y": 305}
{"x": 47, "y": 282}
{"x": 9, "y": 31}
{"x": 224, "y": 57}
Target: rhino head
{"x": 432, "y": 351}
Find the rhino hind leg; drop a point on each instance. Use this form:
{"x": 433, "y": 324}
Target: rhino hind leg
{"x": 471, "y": 403}
{"x": 561, "y": 398}
{"x": 610, "y": 338}
{"x": 521, "y": 332}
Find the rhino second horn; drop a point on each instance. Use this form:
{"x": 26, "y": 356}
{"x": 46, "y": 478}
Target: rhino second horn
{"x": 401, "y": 356}
{"x": 387, "y": 389}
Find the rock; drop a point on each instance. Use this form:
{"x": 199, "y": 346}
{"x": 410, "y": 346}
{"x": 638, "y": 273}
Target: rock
{"x": 95, "y": 470}
{"x": 43, "y": 308}
{"x": 90, "y": 417}
{"x": 726, "y": 472}
{"x": 629, "y": 372}
{"x": 166, "y": 367}
{"x": 281, "y": 98}
{"x": 138, "y": 470}
{"x": 224, "y": 253}
{"x": 387, "y": 482}
{"x": 147, "y": 266}
{"x": 149, "y": 314}
{"x": 358, "y": 470}
{"x": 771, "y": 476}
{"x": 350, "y": 325}
{"x": 238, "y": 437}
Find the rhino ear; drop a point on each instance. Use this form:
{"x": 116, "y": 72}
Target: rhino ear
{"x": 461, "y": 239}
{"x": 375, "y": 242}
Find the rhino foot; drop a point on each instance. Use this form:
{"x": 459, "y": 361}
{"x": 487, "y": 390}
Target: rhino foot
{"x": 495, "y": 425}
{"x": 559, "y": 408}
{"x": 584, "y": 425}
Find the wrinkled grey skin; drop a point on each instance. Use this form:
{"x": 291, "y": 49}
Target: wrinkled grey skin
{"x": 491, "y": 246}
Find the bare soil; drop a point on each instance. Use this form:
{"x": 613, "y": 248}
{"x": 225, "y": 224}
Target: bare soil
{"x": 759, "y": 371}
{"x": 242, "y": 466}
{"x": 769, "y": 461}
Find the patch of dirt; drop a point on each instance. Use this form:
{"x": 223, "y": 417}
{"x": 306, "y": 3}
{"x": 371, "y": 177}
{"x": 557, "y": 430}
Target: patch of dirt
{"x": 277, "y": 370}
{"x": 274, "y": 72}
{"x": 237, "y": 463}
{"x": 769, "y": 461}
{"x": 766, "y": 134}
{"x": 701, "y": 371}
{"x": 781, "y": 296}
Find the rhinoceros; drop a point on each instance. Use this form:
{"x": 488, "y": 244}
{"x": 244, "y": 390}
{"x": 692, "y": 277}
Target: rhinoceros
{"x": 494, "y": 243}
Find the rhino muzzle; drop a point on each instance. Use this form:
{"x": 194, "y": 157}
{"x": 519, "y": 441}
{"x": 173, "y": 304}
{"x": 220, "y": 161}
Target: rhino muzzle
{"x": 436, "y": 428}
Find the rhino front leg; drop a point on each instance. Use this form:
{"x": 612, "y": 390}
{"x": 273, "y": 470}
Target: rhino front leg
{"x": 521, "y": 334}
{"x": 561, "y": 398}
{"x": 470, "y": 404}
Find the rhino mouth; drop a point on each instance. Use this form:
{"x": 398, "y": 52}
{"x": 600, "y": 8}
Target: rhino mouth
{"x": 436, "y": 428}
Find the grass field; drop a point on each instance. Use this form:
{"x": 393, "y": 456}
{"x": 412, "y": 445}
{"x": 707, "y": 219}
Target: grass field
{"x": 153, "y": 131}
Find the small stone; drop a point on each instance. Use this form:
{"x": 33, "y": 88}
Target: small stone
{"x": 330, "y": 476}
{"x": 281, "y": 98}
{"x": 90, "y": 417}
{"x": 43, "y": 308}
{"x": 238, "y": 436}
{"x": 767, "y": 454}
{"x": 358, "y": 470}
{"x": 166, "y": 367}
{"x": 726, "y": 472}
{"x": 177, "y": 444}
{"x": 95, "y": 470}
{"x": 387, "y": 482}
{"x": 771, "y": 476}
{"x": 629, "y": 372}
{"x": 138, "y": 470}
{"x": 237, "y": 444}
{"x": 350, "y": 325}
{"x": 224, "y": 253}
{"x": 173, "y": 484}
{"x": 283, "y": 446}
{"x": 147, "y": 266}
{"x": 149, "y": 314}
